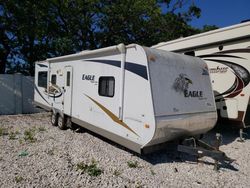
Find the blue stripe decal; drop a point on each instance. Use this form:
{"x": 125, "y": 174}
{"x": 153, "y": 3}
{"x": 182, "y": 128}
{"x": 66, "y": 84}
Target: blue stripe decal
{"x": 41, "y": 94}
{"x": 140, "y": 70}
{"x": 108, "y": 62}
{"x": 220, "y": 55}
{"x": 41, "y": 65}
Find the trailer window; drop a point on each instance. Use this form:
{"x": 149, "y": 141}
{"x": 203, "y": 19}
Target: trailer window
{"x": 106, "y": 86}
{"x": 68, "y": 78}
{"x": 42, "y": 79}
{"x": 53, "y": 79}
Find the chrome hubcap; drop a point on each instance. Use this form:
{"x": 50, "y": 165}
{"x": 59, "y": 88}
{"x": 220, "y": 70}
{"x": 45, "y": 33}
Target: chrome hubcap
{"x": 59, "y": 121}
{"x": 53, "y": 118}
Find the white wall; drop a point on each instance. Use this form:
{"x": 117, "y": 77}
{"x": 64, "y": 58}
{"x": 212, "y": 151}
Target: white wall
{"x": 16, "y": 94}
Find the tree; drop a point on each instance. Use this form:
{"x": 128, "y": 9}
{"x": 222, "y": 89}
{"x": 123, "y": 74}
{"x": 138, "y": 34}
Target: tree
{"x": 20, "y": 27}
{"x": 208, "y": 28}
{"x": 35, "y": 30}
{"x": 144, "y": 22}
{"x": 6, "y": 42}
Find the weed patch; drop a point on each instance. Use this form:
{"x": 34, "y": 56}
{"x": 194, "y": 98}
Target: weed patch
{"x": 3, "y": 131}
{"x": 152, "y": 172}
{"x": 132, "y": 164}
{"x": 117, "y": 173}
{"x": 29, "y": 135}
{"x": 90, "y": 169}
{"x": 18, "y": 179}
{"x": 41, "y": 129}
{"x": 12, "y": 136}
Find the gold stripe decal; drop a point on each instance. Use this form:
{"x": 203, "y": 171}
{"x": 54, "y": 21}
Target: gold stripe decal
{"x": 112, "y": 116}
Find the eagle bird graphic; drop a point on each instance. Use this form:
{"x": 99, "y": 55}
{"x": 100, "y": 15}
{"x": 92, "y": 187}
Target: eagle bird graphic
{"x": 181, "y": 83}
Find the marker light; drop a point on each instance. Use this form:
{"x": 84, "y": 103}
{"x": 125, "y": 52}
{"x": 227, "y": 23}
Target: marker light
{"x": 146, "y": 126}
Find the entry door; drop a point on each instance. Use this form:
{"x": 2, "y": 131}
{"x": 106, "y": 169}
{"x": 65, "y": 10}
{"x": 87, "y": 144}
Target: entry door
{"x": 68, "y": 75}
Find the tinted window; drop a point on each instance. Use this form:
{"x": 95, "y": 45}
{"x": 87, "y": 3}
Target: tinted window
{"x": 42, "y": 79}
{"x": 53, "y": 79}
{"x": 68, "y": 78}
{"x": 106, "y": 86}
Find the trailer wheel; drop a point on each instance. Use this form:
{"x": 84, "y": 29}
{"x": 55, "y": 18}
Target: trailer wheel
{"x": 54, "y": 119}
{"x": 61, "y": 123}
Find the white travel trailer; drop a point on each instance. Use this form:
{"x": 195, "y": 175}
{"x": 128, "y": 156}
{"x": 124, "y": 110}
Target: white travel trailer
{"x": 227, "y": 54}
{"x": 136, "y": 96}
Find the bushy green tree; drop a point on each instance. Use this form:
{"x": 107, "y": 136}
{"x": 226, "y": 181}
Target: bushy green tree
{"x": 35, "y": 30}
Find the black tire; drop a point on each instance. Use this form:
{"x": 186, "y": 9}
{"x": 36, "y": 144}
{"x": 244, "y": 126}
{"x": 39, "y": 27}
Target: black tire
{"x": 54, "y": 119}
{"x": 61, "y": 123}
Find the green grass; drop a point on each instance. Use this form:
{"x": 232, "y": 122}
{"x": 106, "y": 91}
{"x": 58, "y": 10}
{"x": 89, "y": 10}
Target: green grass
{"x": 29, "y": 135}
{"x": 117, "y": 173}
{"x": 18, "y": 179}
{"x": 3, "y": 131}
{"x": 91, "y": 169}
{"x": 20, "y": 141}
{"x": 41, "y": 129}
{"x": 133, "y": 164}
{"x": 152, "y": 172}
{"x": 12, "y": 135}
{"x": 138, "y": 184}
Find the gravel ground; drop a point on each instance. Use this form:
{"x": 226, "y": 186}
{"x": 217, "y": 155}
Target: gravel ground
{"x": 35, "y": 154}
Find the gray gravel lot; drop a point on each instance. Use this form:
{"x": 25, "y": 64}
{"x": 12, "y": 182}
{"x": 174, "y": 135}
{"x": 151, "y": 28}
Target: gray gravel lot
{"x": 35, "y": 154}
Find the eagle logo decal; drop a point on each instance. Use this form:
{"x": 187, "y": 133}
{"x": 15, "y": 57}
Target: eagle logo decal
{"x": 181, "y": 83}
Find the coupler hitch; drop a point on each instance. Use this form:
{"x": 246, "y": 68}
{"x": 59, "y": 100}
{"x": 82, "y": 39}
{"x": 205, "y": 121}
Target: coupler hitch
{"x": 199, "y": 148}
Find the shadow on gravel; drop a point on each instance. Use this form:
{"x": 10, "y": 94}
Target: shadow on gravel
{"x": 170, "y": 154}
{"x": 229, "y": 134}
{"x": 223, "y": 165}
{"x": 173, "y": 156}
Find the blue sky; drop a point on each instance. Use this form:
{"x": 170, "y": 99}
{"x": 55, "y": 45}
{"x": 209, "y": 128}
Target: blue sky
{"x": 221, "y": 13}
